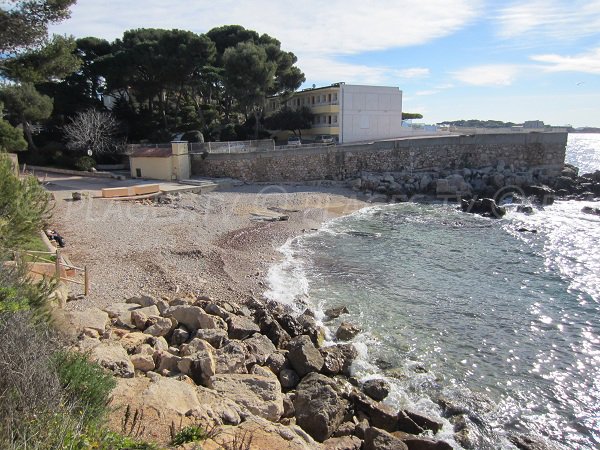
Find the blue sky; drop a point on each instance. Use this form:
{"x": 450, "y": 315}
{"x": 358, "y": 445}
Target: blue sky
{"x": 453, "y": 59}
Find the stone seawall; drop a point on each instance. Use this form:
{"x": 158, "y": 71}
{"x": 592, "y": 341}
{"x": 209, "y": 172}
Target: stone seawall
{"x": 544, "y": 151}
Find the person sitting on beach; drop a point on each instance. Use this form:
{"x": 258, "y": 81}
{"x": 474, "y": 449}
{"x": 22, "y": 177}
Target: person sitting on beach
{"x": 54, "y": 236}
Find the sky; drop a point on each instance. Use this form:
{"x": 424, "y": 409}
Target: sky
{"x": 453, "y": 59}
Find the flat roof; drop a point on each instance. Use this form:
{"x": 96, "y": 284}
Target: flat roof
{"x": 152, "y": 152}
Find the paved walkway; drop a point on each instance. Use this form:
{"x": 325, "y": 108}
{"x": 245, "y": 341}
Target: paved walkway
{"x": 62, "y": 186}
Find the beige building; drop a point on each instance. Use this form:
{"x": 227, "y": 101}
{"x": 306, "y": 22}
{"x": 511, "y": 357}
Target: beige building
{"x": 161, "y": 163}
{"x": 349, "y": 113}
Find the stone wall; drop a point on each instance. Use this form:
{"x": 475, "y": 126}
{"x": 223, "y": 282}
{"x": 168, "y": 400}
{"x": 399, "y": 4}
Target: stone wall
{"x": 522, "y": 151}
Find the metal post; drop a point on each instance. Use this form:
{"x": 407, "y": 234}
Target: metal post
{"x": 86, "y": 285}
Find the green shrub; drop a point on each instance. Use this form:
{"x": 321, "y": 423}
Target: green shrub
{"x": 86, "y": 385}
{"x": 191, "y": 433}
{"x": 23, "y": 206}
{"x": 85, "y": 163}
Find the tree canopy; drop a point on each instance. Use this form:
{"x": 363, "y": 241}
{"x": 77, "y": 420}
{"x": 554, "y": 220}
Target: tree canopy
{"x": 294, "y": 120}
{"x": 24, "y": 23}
{"x": 157, "y": 83}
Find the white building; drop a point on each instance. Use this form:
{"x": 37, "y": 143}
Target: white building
{"x": 349, "y": 113}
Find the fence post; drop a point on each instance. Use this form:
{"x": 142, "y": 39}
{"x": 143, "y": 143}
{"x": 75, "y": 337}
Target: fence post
{"x": 86, "y": 280}
{"x": 57, "y": 265}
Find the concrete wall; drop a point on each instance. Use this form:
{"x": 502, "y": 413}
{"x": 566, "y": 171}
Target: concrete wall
{"x": 533, "y": 150}
{"x": 370, "y": 112}
{"x": 151, "y": 167}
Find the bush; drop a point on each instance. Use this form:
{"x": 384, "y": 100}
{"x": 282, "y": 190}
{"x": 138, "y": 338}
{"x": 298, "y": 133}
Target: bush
{"x": 85, "y": 163}
{"x": 23, "y": 206}
{"x": 29, "y": 389}
{"x": 191, "y": 433}
{"x": 86, "y": 385}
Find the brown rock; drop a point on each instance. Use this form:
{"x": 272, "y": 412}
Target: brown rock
{"x": 342, "y": 443}
{"x": 347, "y": 331}
{"x": 376, "y": 439}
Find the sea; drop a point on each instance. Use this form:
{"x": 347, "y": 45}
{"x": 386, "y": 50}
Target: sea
{"x": 500, "y": 323}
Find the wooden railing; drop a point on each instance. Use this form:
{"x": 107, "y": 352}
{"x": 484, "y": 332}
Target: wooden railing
{"x": 59, "y": 265}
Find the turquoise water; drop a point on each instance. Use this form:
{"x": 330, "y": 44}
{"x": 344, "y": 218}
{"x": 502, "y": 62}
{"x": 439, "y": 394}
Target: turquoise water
{"x": 504, "y": 324}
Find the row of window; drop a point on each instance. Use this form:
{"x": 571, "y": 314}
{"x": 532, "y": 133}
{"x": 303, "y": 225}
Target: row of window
{"x": 325, "y": 120}
{"x": 307, "y": 100}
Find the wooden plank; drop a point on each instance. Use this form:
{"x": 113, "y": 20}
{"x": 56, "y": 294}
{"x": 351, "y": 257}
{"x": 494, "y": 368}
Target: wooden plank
{"x": 144, "y": 189}
{"x": 115, "y": 192}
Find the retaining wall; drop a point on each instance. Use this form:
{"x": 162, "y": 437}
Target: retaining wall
{"x": 522, "y": 151}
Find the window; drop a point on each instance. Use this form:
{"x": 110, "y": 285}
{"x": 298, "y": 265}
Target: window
{"x": 313, "y": 99}
{"x": 138, "y": 173}
{"x": 335, "y": 119}
{"x": 335, "y": 96}
{"x": 329, "y": 120}
{"x": 329, "y": 98}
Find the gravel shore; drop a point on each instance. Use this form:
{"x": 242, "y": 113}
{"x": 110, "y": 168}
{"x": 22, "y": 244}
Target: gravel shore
{"x": 218, "y": 244}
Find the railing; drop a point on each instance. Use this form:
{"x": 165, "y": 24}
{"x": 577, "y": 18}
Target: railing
{"x": 263, "y": 145}
{"x": 59, "y": 264}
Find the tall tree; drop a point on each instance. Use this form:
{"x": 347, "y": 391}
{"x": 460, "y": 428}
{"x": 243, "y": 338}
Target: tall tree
{"x": 52, "y": 62}
{"x": 11, "y": 138}
{"x": 249, "y": 76}
{"x": 270, "y": 70}
{"x": 157, "y": 66}
{"x": 26, "y": 105}
{"x": 24, "y": 23}
{"x": 294, "y": 120}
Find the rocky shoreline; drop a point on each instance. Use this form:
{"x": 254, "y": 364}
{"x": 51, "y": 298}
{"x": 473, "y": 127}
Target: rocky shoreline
{"x": 249, "y": 364}
{"x": 497, "y": 183}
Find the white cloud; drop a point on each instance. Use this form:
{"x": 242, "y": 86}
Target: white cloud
{"x": 488, "y": 75}
{"x": 585, "y": 62}
{"x": 413, "y": 72}
{"x": 316, "y": 32}
{"x": 427, "y": 92}
{"x": 550, "y": 18}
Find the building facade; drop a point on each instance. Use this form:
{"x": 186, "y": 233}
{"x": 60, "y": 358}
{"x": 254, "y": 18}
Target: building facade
{"x": 349, "y": 113}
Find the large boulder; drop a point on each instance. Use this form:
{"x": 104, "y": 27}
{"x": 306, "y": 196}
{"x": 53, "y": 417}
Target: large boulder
{"x": 377, "y": 389}
{"x": 260, "y": 347}
{"x": 121, "y": 313}
{"x": 194, "y": 317}
{"x": 112, "y": 356}
{"x": 92, "y": 318}
{"x": 338, "y": 359}
{"x": 143, "y": 362}
{"x": 200, "y": 366}
{"x": 260, "y": 395}
{"x": 275, "y": 332}
{"x": 543, "y": 194}
{"x": 425, "y": 422}
{"x": 160, "y": 326}
{"x": 334, "y": 313}
{"x": 142, "y": 300}
{"x": 320, "y": 407}
{"x": 133, "y": 340}
{"x": 304, "y": 356}
{"x": 216, "y": 337}
{"x": 343, "y": 443}
{"x": 381, "y": 415}
{"x": 232, "y": 358}
{"x": 376, "y": 439}
{"x": 347, "y": 331}
{"x": 291, "y": 325}
{"x": 485, "y": 207}
{"x": 421, "y": 443}
{"x": 241, "y": 327}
